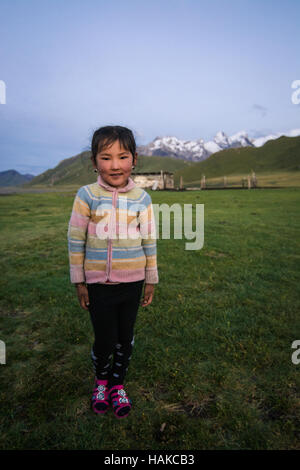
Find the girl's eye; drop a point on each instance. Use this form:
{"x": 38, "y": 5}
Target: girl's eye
{"x": 107, "y": 158}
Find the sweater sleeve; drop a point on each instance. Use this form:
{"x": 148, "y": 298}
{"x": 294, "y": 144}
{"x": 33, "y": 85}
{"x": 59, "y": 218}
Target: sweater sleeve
{"x": 148, "y": 234}
{"x": 77, "y": 231}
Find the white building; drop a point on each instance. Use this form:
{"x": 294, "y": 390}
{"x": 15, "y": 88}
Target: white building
{"x": 154, "y": 180}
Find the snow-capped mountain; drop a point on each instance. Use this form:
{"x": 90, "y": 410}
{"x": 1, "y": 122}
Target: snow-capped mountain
{"x": 240, "y": 139}
{"x": 173, "y": 147}
{"x": 197, "y": 150}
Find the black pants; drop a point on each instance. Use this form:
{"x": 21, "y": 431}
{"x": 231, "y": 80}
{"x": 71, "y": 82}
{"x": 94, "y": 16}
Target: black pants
{"x": 113, "y": 310}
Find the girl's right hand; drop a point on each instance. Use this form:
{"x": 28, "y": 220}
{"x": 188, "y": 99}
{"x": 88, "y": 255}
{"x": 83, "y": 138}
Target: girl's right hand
{"x": 83, "y": 295}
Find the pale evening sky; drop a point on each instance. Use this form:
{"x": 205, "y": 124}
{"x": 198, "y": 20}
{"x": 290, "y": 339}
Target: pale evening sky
{"x": 185, "y": 68}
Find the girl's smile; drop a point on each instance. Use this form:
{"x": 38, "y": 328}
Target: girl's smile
{"x": 114, "y": 163}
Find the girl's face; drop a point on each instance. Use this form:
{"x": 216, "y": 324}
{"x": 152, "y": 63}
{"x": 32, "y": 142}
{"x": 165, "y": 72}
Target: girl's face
{"x": 114, "y": 164}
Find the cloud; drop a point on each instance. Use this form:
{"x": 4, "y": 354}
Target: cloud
{"x": 260, "y": 109}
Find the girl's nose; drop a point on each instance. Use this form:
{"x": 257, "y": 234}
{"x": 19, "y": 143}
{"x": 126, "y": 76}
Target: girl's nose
{"x": 115, "y": 165}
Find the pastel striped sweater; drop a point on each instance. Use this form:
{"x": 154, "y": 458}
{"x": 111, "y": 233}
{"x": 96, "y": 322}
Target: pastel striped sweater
{"x": 112, "y": 235}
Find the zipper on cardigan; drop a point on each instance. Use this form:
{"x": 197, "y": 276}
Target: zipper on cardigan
{"x": 109, "y": 245}
{"x": 109, "y": 249}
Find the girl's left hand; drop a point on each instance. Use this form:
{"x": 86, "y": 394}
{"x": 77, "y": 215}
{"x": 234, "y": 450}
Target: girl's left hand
{"x": 148, "y": 295}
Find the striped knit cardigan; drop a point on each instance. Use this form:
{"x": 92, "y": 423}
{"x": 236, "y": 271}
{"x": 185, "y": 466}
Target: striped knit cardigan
{"x": 112, "y": 235}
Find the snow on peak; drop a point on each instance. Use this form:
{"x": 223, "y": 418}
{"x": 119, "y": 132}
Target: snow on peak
{"x": 293, "y": 133}
{"x": 197, "y": 150}
{"x": 221, "y": 139}
{"x": 260, "y": 141}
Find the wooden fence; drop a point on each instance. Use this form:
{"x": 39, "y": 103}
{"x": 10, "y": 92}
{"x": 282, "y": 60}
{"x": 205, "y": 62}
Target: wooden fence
{"x": 249, "y": 181}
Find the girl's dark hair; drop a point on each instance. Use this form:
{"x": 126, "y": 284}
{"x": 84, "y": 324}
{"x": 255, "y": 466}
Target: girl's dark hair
{"x": 104, "y": 136}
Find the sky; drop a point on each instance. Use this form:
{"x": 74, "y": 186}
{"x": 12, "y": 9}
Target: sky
{"x": 184, "y": 68}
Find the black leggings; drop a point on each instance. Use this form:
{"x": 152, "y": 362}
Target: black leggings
{"x": 113, "y": 310}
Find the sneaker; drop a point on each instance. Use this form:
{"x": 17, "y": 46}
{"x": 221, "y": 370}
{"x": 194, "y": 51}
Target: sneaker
{"x": 100, "y": 398}
{"x": 121, "y": 404}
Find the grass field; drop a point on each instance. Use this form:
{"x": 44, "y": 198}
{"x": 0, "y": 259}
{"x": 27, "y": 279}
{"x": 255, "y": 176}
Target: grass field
{"x": 211, "y": 366}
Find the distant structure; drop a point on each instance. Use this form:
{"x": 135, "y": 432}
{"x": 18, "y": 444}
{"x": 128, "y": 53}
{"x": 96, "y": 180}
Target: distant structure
{"x": 203, "y": 185}
{"x": 154, "y": 180}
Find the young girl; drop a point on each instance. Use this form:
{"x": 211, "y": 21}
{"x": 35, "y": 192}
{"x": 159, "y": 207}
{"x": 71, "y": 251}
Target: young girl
{"x": 112, "y": 253}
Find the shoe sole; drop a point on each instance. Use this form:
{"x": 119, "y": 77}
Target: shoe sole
{"x": 98, "y": 412}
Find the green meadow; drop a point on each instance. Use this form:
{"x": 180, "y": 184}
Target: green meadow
{"x": 212, "y": 361}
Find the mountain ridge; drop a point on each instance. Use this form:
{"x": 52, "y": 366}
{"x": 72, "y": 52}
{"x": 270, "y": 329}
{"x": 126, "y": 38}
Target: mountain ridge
{"x": 199, "y": 150}
{"x": 275, "y": 155}
{"x": 14, "y": 178}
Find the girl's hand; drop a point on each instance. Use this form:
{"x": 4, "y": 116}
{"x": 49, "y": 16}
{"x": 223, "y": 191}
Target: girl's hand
{"x": 83, "y": 295}
{"x": 148, "y": 295}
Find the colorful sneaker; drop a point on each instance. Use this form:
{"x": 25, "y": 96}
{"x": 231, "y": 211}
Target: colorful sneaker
{"x": 100, "y": 398}
{"x": 120, "y": 402}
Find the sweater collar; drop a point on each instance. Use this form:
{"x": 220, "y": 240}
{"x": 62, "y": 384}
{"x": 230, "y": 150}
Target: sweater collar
{"x": 130, "y": 184}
